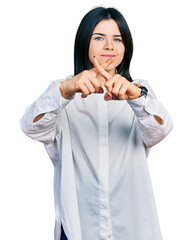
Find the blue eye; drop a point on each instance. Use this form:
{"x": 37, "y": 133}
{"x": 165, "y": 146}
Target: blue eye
{"x": 99, "y": 38}
{"x": 117, "y": 40}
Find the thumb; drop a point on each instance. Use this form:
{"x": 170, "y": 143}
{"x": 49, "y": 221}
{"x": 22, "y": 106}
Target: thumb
{"x": 108, "y": 96}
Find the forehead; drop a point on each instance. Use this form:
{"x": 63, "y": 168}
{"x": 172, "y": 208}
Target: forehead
{"x": 108, "y": 26}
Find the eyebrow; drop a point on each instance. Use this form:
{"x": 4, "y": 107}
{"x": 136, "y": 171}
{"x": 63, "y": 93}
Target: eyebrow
{"x": 102, "y": 34}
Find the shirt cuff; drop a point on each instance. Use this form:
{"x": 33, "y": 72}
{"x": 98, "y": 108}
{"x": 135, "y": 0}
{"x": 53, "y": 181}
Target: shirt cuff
{"x": 139, "y": 106}
{"x": 144, "y": 106}
{"x": 51, "y": 100}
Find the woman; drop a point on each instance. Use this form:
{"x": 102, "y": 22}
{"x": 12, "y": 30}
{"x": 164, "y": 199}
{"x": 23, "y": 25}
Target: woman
{"x": 98, "y": 127}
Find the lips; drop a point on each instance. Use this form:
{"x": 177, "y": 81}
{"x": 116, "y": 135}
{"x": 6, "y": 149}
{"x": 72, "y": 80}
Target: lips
{"x": 108, "y": 55}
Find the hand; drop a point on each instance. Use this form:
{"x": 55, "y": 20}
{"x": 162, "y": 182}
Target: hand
{"x": 118, "y": 87}
{"x": 85, "y": 82}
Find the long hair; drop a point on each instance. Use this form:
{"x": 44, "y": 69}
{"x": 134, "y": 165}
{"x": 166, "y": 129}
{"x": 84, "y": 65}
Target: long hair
{"x": 84, "y": 33}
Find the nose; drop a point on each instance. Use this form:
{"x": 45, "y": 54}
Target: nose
{"x": 108, "y": 45}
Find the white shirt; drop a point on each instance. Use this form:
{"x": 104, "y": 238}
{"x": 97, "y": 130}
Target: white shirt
{"x": 99, "y": 150}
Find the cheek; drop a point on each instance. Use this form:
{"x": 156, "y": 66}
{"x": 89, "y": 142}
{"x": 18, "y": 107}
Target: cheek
{"x": 121, "y": 52}
{"x": 92, "y": 51}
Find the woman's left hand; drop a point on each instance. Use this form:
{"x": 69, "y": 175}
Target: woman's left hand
{"x": 118, "y": 87}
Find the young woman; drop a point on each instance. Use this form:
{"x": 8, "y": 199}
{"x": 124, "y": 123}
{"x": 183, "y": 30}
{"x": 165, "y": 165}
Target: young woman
{"x": 98, "y": 127}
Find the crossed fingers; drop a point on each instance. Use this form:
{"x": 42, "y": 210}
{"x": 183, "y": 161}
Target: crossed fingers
{"x": 88, "y": 82}
{"x": 118, "y": 87}
{"x": 101, "y": 68}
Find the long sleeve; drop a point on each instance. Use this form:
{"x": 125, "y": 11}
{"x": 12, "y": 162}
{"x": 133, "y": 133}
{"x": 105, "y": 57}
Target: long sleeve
{"x": 51, "y": 103}
{"x": 145, "y": 108}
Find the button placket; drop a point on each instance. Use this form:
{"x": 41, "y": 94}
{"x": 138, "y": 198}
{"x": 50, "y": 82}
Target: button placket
{"x": 103, "y": 167}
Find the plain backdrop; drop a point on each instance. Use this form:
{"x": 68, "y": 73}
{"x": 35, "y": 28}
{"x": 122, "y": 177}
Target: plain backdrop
{"x": 36, "y": 47}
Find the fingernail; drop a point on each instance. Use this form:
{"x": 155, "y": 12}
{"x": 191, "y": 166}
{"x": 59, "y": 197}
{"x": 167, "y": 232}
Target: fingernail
{"x": 101, "y": 90}
{"x": 108, "y": 96}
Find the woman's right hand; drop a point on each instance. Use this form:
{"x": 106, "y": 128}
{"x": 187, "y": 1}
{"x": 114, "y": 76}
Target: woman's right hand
{"x": 85, "y": 82}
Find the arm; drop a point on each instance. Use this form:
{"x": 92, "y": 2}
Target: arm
{"x": 154, "y": 121}
{"x": 40, "y": 119}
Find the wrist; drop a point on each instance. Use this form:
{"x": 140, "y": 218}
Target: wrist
{"x": 141, "y": 90}
{"x": 63, "y": 90}
{"x": 138, "y": 92}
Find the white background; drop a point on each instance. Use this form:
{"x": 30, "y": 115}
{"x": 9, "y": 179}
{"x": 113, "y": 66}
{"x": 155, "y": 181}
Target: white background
{"x": 36, "y": 47}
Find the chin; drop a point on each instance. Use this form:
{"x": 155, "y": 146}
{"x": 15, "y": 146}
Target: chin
{"x": 111, "y": 70}
{"x": 112, "y": 66}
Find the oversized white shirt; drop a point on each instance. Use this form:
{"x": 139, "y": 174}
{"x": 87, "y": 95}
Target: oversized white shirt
{"x": 99, "y": 150}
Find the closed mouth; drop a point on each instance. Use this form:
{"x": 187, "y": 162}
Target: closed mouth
{"x": 108, "y": 55}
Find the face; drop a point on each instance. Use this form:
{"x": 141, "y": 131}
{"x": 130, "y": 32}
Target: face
{"x": 106, "y": 42}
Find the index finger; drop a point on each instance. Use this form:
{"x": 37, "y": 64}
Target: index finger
{"x": 101, "y": 68}
{"x": 107, "y": 63}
